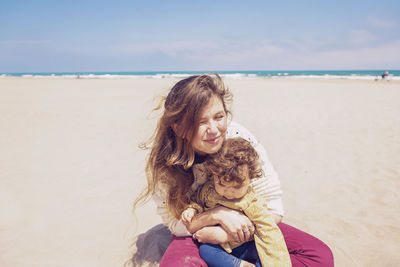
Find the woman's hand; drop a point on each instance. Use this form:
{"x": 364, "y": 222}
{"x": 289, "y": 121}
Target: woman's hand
{"x": 237, "y": 226}
{"x": 235, "y": 223}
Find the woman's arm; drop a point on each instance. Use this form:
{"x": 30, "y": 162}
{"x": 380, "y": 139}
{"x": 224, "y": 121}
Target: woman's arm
{"x": 177, "y": 227}
{"x": 233, "y": 222}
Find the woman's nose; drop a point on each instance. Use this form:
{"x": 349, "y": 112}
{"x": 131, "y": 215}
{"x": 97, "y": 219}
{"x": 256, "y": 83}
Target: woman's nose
{"x": 213, "y": 127}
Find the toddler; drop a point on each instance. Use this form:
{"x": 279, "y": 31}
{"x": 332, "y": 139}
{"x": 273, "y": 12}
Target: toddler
{"x": 224, "y": 179}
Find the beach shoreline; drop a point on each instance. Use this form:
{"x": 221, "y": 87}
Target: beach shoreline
{"x": 233, "y": 74}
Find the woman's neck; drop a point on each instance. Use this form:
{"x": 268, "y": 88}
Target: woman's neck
{"x": 200, "y": 158}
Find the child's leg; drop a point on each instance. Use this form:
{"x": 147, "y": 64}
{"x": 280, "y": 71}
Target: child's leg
{"x": 248, "y": 252}
{"x": 216, "y": 256}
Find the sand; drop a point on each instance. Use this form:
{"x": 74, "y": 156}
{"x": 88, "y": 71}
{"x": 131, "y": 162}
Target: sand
{"x": 70, "y": 166}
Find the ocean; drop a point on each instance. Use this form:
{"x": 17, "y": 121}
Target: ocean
{"x": 274, "y": 74}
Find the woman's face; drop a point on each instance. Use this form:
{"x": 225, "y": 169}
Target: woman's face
{"x": 211, "y": 129}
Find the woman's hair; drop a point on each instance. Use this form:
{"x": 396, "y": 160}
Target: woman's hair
{"x": 235, "y": 157}
{"x": 172, "y": 156}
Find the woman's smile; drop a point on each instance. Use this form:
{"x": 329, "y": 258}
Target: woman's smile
{"x": 213, "y": 140}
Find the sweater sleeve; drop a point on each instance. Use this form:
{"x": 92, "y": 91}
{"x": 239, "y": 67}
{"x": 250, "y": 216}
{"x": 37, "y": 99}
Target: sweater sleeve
{"x": 270, "y": 243}
{"x": 176, "y": 226}
{"x": 267, "y": 186}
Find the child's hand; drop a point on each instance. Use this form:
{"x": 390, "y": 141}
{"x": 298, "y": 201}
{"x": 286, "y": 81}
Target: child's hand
{"x": 187, "y": 216}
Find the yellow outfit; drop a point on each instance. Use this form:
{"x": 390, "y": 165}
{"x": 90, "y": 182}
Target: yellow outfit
{"x": 270, "y": 244}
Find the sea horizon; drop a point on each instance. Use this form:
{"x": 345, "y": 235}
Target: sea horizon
{"x": 235, "y": 74}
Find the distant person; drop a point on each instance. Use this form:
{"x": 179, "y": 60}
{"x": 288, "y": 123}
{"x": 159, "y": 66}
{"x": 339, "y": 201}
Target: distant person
{"x": 78, "y": 75}
{"x": 385, "y": 75}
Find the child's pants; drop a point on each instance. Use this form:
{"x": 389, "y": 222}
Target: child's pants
{"x": 216, "y": 256}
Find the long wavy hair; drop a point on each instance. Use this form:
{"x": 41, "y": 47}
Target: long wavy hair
{"x": 171, "y": 156}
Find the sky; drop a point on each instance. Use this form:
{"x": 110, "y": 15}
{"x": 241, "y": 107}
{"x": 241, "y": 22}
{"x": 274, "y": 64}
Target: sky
{"x": 113, "y": 36}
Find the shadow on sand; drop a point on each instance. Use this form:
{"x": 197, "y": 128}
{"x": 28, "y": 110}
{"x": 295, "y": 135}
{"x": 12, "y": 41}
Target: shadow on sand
{"x": 149, "y": 247}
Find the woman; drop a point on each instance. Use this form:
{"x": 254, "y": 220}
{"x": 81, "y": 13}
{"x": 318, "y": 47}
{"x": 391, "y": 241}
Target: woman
{"x": 194, "y": 124}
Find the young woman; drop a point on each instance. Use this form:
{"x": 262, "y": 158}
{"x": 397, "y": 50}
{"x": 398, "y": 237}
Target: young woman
{"x": 194, "y": 124}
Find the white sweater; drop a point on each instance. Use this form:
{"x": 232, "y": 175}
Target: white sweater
{"x": 267, "y": 186}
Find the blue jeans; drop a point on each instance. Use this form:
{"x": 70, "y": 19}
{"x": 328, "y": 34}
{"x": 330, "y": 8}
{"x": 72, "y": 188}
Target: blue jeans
{"x": 216, "y": 256}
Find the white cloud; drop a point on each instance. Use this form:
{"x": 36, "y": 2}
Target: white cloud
{"x": 237, "y": 55}
{"x": 168, "y": 48}
{"x": 361, "y": 37}
{"x": 383, "y": 56}
{"x": 269, "y": 56}
{"x": 362, "y": 53}
{"x": 380, "y": 23}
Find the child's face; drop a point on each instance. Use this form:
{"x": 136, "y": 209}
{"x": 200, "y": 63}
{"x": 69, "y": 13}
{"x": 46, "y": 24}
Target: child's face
{"x": 231, "y": 190}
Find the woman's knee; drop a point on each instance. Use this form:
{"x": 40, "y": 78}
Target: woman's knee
{"x": 318, "y": 255}
{"x": 306, "y": 249}
{"x": 182, "y": 252}
{"x": 184, "y": 261}
{"x": 325, "y": 255}
{"x": 321, "y": 251}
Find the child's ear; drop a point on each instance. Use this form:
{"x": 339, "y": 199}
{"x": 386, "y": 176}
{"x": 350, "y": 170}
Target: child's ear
{"x": 215, "y": 178}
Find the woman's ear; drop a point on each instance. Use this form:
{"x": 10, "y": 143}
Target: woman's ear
{"x": 176, "y": 130}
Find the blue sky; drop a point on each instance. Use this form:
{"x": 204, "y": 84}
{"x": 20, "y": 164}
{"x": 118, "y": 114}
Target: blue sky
{"x": 78, "y": 36}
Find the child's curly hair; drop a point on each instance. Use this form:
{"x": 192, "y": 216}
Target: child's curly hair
{"x": 228, "y": 164}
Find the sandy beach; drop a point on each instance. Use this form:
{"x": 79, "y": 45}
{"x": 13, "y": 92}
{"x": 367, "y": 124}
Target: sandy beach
{"x": 70, "y": 166}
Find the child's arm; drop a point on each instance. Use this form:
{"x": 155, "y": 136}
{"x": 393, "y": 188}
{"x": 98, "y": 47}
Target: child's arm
{"x": 271, "y": 246}
{"x": 188, "y": 214}
{"x": 212, "y": 235}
